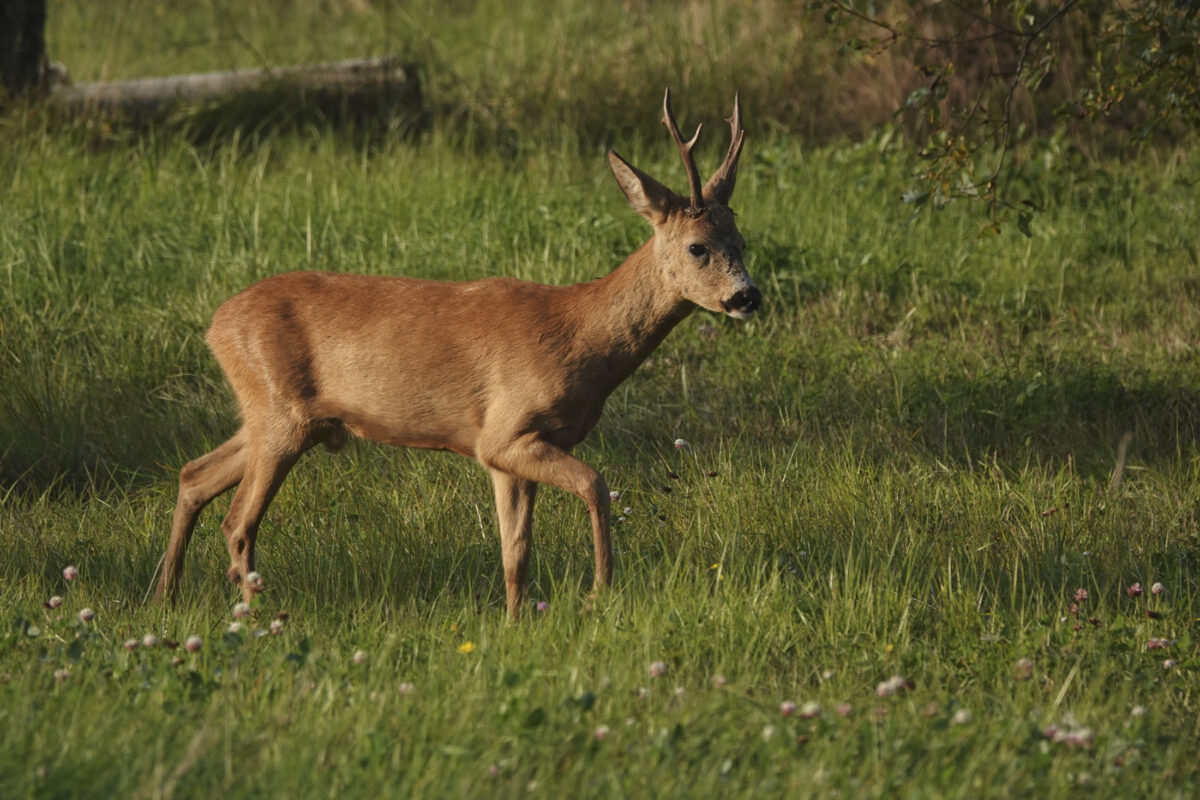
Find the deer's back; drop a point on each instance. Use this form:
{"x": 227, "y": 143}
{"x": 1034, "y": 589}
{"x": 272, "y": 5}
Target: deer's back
{"x": 397, "y": 360}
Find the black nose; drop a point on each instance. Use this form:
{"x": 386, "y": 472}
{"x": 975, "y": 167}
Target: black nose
{"x": 746, "y": 300}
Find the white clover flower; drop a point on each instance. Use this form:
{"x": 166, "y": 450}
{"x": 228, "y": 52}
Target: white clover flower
{"x": 891, "y": 686}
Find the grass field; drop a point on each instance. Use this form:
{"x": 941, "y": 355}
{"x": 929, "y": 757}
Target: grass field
{"x": 908, "y": 466}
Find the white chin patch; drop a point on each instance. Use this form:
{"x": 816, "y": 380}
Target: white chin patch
{"x": 738, "y": 314}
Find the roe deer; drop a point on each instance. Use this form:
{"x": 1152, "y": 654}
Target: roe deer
{"x": 510, "y": 373}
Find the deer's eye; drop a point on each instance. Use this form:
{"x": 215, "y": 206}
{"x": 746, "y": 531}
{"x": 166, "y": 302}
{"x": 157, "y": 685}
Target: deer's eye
{"x": 698, "y": 250}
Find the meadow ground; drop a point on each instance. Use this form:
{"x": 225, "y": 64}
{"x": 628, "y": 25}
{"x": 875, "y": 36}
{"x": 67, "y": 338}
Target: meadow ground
{"x": 934, "y": 532}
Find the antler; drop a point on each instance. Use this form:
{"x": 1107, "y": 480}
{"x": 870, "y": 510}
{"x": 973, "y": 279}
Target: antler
{"x": 720, "y": 186}
{"x": 685, "y": 150}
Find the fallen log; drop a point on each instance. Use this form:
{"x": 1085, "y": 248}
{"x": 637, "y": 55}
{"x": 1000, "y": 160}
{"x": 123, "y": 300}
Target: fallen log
{"x": 384, "y": 79}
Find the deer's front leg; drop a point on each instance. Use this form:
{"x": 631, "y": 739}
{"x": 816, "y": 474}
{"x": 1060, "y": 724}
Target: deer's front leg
{"x": 534, "y": 459}
{"x": 514, "y": 509}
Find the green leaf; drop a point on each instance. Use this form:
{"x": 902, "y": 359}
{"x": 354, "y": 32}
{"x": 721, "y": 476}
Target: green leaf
{"x": 917, "y": 97}
{"x": 75, "y": 650}
{"x": 1023, "y": 224}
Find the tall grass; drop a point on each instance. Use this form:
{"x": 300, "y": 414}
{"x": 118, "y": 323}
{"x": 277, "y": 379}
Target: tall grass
{"x": 904, "y": 466}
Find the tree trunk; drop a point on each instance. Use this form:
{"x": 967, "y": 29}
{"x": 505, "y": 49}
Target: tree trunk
{"x": 22, "y": 46}
{"x": 385, "y": 77}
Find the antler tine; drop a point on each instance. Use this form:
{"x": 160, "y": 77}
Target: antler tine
{"x": 685, "y": 150}
{"x": 720, "y": 185}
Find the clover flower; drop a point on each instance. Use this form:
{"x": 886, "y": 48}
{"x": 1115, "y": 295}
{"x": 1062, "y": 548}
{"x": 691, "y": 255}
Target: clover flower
{"x": 1079, "y": 737}
{"x": 70, "y": 573}
{"x": 891, "y": 686}
{"x": 193, "y": 644}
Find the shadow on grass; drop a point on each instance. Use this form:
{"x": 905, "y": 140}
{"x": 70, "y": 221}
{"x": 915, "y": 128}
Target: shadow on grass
{"x": 1079, "y": 414}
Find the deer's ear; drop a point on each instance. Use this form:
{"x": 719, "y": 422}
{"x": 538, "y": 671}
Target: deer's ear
{"x": 647, "y": 196}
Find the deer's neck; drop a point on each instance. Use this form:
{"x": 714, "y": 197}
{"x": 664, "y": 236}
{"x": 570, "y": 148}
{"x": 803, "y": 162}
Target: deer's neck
{"x": 623, "y": 316}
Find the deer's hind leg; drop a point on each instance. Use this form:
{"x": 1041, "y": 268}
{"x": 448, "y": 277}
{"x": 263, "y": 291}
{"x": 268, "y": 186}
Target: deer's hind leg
{"x": 200, "y": 481}
{"x": 265, "y": 472}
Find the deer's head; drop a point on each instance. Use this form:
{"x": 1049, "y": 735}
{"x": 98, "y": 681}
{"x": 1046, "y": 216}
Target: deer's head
{"x": 697, "y": 243}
